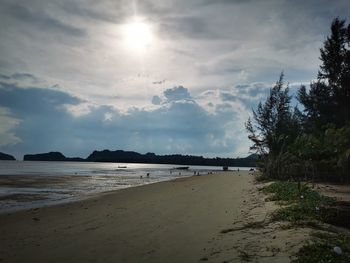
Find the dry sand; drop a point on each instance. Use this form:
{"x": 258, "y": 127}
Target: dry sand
{"x": 340, "y": 191}
{"x": 214, "y": 218}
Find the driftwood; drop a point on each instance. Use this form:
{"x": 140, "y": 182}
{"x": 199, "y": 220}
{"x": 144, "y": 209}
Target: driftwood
{"x": 337, "y": 214}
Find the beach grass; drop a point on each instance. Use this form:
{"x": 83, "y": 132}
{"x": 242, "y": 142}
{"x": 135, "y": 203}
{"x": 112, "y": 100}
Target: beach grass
{"x": 302, "y": 202}
{"x": 322, "y": 248}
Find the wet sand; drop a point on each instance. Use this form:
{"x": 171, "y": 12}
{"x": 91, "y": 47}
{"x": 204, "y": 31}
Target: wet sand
{"x": 202, "y": 218}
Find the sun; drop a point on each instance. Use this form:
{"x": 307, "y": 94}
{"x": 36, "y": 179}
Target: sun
{"x": 138, "y": 36}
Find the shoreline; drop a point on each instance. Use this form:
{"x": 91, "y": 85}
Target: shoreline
{"x": 191, "y": 219}
{"x": 45, "y": 202}
{"x": 82, "y": 198}
{"x": 26, "y": 191}
{"x": 169, "y": 221}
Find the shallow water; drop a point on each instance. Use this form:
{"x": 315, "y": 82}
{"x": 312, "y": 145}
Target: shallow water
{"x": 25, "y": 185}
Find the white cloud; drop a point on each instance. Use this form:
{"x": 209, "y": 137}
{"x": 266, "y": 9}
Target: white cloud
{"x": 79, "y": 45}
{"x": 210, "y": 47}
{"x": 178, "y": 125}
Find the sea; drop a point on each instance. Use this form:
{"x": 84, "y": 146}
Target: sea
{"x": 33, "y": 184}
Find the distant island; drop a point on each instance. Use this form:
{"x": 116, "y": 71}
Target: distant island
{"x": 7, "y": 157}
{"x": 51, "y": 156}
{"x": 120, "y": 156}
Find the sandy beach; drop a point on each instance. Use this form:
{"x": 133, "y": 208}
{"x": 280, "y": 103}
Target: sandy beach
{"x": 200, "y": 218}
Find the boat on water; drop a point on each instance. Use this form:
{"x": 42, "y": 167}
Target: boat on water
{"x": 122, "y": 167}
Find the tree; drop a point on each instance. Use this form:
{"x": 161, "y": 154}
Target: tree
{"x": 273, "y": 122}
{"x": 328, "y": 100}
{"x": 314, "y": 144}
{"x": 319, "y": 107}
{"x": 273, "y": 127}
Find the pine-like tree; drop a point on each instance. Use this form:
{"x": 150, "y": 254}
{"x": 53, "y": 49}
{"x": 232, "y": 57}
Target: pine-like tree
{"x": 273, "y": 123}
{"x": 328, "y": 100}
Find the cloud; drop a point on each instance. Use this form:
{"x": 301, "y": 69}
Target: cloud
{"x": 156, "y": 100}
{"x": 92, "y": 10}
{"x": 41, "y": 20}
{"x": 7, "y": 127}
{"x": 34, "y": 101}
{"x": 78, "y": 45}
{"x": 194, "y": 27}
{"x": 4, "y": 77}
{"x": 23, "y": 76}
{"x": 41, "y": 122}
{"x": 248, "y": 94}
{"x": 228, "y": 96}
{"x": 38, "y": 117}
{"x": 177, "y": 93}
{"x": 65, "y": 61}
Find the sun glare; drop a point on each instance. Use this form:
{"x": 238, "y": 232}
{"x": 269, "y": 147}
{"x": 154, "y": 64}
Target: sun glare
{"x": 138, "y": 36}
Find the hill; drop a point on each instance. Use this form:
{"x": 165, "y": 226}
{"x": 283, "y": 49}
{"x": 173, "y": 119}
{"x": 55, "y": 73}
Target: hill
{"x": 51, "y": 156}
{"x": 4, "y": 156}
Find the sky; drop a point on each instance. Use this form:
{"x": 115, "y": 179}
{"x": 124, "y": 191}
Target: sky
{"x": 158, "y": 76}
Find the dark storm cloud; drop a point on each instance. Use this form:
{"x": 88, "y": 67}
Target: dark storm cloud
{"x": 33, "y": 100}
{"x": 40, "y": 114}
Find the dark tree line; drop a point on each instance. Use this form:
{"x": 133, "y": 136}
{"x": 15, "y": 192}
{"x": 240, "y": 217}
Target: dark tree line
{"x": 312, "y": 143}
{"x": 135, "y": 157}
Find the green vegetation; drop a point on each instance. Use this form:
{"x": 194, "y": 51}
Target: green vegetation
{"x": 312, "y": 143}
{"x": 302, "y": 206}
{"x": 303, "y": 202}
{"x": 309, "y": 142}
{"x": 321, "y": 249}
{"x": 285, "y": 191}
